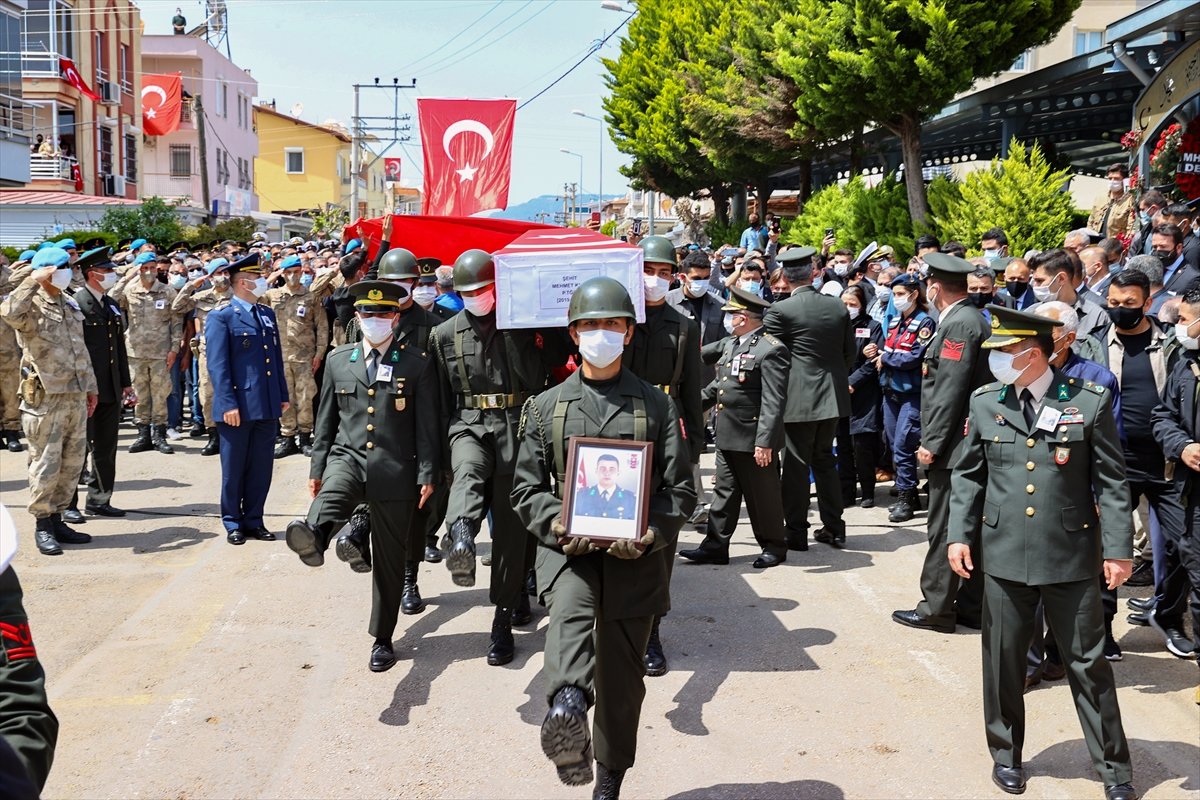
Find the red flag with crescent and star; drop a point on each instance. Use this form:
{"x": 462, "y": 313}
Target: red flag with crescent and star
{"x": 467, "y": 147}
{"x": 162, "y": 96}
{"x": 71, "y": 75}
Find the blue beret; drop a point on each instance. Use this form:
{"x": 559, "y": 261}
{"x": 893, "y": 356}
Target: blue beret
{"x": 66, "y": 244}
{"x": 27, "y": 255}
{"x": 906, "y": 280}
{"x": 51, "y": 257}
{"x": 216, "y": 265}
{"x": 352, "y": 245}
{"x": 136, "y": 243}
{"x": 145, "y": 258}
{"x": 289, "y": 262}
{"x": 44, "y": 245}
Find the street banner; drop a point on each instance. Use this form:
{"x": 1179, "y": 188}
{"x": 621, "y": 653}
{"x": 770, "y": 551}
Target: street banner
{"x": 467, "y": 146}
{"x": 391, "y": 169}
{"x": 71, "y": 75}
{"x": 162, "y": 96}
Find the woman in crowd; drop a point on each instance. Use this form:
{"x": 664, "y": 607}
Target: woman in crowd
{"x": 858, "y": 434}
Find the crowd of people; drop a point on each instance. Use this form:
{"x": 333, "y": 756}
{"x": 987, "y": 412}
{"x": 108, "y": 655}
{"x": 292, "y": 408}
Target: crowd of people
{"x": 1028, "y": 403}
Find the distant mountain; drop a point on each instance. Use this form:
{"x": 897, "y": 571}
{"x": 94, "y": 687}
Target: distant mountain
{"x": 547, "y": 205}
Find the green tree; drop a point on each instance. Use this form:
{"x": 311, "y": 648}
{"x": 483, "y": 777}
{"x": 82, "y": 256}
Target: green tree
{"x": 154, "y": 220}
{"x": 881, "y": 215}
{"x": 895, "y": 62}
{"x": 831, "y": 206}
{"x": 330, "y": 222}
{"x": 1023, "y": 194}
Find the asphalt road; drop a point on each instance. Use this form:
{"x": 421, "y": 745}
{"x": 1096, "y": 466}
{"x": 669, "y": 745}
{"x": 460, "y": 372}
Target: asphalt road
{"x": 182, "y": 667}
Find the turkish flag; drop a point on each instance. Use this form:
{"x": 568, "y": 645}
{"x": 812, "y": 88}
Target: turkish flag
{"x": 443, "y": 238}
{"x": 71, "y": 75}
{"x": 468, "y": 154}
{"x": 391, "y": 169}
{"x": 77, "y": 176}
{"x": 162, "y": 97}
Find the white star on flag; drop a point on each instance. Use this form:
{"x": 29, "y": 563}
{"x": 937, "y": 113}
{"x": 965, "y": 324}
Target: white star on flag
{"x": 150, "y": 113}
{"x": 467, "y": 173}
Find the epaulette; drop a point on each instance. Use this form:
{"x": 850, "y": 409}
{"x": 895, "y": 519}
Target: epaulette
{"x": 1095, "y": 388}
{"x": 987, "y": 387}
{"x": 343, "y": 349}
{"x": 772, "y": 340}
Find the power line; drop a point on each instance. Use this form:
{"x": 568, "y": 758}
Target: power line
{"x": 449, "y": 41}
{"x": 575, "y": 66}
{"x": 485, "y": 45}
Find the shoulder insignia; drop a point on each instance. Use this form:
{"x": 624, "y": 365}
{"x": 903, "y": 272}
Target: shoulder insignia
{"x": 925, "y": 333}
{"x": 986, "y": 388}
{"x": 1095, "y": 388}
{"x": 771, "y": 339}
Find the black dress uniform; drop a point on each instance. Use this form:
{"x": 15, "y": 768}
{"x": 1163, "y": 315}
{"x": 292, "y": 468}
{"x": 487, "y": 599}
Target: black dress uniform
{"x": 26, "y": 721}
{"x": 104, "y": 334}
{"x": 858, "y": 434}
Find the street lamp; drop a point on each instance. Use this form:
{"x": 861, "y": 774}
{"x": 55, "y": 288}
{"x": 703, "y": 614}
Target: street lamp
{"x": 575, "y": 203}
{"x": 600, "y": 181}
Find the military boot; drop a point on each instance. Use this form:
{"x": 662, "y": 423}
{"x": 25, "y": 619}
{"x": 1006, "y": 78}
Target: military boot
{"x": 198, "y": 431}
{"x": 656, "y": 660}
{"x": 461, "y": 558}
{"x": 306, "y": 443}
{"x": 608, "y": 783}
{"x": 522, "y": 614}
{"x": 214, "y": 443}
{"x": 142, "y": 443}
{"x": 503, "y": 647}
{"x": 43, "y": 535}
{"x": 410, "y": 600}
{"x": 904, "y": 510}
{"x": 159, "y": 440}
{"x": 432, "y": 554}
{"x": 286, "y": 446}
{"x": 566, "y": 739}
{"x": 531, "y": 583}
{"x": 14, "y": 441}
{"x": 65, "y": 534}
{"x": 354, "y": 547}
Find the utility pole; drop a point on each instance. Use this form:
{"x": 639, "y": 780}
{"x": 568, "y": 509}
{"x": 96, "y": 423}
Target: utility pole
{"x": 361, "y": 126}
{"x": 651, "y": 201}
{"x": 574, "y": 205}
{"x": 566, "y": 199}
{"x": 198, "y": 113}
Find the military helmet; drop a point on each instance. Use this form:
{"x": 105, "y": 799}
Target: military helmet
{"x": 600, "y": 298}
{"x": 398, "y": 264}
{"x": 473, "y": 270}
{"x": 657, "y": 249}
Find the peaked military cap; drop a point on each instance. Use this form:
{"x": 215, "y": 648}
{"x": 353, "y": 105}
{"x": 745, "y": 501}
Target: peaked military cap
{"x": 1000, "y": 263}
{"x": 1009, "y": 326}
{"x": 795, "y": 255}
{"x": 944, "y": 265}
{"x": 247, "y": 263}
{"x": 92, "y": 243}
{"x": 741, "y": 300}
{"x": 427, "y": 269}
{"x": 377, "y": 296}
{"x": 97, "y": 258}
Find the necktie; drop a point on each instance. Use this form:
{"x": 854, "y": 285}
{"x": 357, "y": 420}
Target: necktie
{"x": 372, "y": 363}
{"x": 1028, "y": 408}
{"x": 605, "y": 495}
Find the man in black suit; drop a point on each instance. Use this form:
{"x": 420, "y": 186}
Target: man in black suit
{"x": 1166, "y": 242}
{"x": 1181, "y": 215}
{"x": 104, "y": 335}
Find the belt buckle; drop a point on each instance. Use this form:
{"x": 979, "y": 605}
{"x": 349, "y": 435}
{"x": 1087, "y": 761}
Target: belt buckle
{"x": 491, "y": 402}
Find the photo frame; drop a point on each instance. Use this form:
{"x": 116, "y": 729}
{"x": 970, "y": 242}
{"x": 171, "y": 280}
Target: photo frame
{"x": 606, "y": 496}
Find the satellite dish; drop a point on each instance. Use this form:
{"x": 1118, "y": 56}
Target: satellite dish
{"x": 297, "y": 109}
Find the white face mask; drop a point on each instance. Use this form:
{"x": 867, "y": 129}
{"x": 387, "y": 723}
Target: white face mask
{"x": 1045, "y": 294}
{"x": 854, "y": 311}
{"x": 841, "y": 269}
{"x": 375, "y": 329}
{"x": 1181, "y": 333}
{"x": 259, "y": 288}
{"x": 1001, "y": 365}
{"x": 728, "y": 323}
{"x": 61, "y": 279}
{"x": 902, "y": 304}
{"x": 601, "y": 348}
{"x": 107, "y": 281}
{"x": 1116, "y": 186}
{"x": 696, "y": 288}
{"x": 195, "y": 273}
{"x": 424, "y": 295}
{"x": 990, "y": 254}
{"x": 177, "y": 281}
{"x": 148, "y": 277}
{"x": 656, "y": 287}
{"x": 481, "y": 304}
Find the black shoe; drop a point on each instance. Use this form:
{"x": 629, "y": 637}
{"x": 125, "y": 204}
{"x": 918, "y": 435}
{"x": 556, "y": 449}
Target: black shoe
{"x": 906, "y": 508}
{"x": 214, "y": 443}
{"x": 142, "y": 443}
{"x": 797, "y": 541}
{"x": 566, "y": 739}
{"x": 66, "y": 535}
{"x": 302, "y": 540}
{"x": 701, "y": 556}
{"x": 522, "y": 615}
{"x": 286, "y": 447}
{"x": 383, "y": 657}
{"x": 198, "y": 432}
{"x": 73, "y": 516}
{"x": 1122, "y": 791}
{"x": 823, "y": 536}
{"x": 432, "y": 554}
{"x": 608, "y": 783}
{"x": 103, "y": 510}
{"x": 1009, "y": 779}
{"x": 1140, "y": 603}
{"x": 47, "y": 545}
{"x": 867, "y": 502}
{"x": 262, "y": 534}
{"x": 305, "y": 444}
{"x": 410, "y": 597}
{"x": 1139, "y": 618}
{"x": 159, "y": 440}
{"x": 656, "y": 660}
{"x": 1112, "y": 650}
{"x": 460, "y": 560}
{"x": 354, "y": 547}
{"x": 503, "y": 648}
{"x": 1178, "y": 644}
{"x": 1143, "y": 575}
{"x": 1053, "y": 671}
{"x": 235, "y": 537}
{"x": 767, "y": 560}
{"x": 14, "y": 442}
{"x": 914, "y": 620}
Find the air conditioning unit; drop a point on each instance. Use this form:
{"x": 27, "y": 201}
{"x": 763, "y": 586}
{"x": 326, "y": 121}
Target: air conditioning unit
{"x": 114, "y": 185}
{"x": 109, "y": 92}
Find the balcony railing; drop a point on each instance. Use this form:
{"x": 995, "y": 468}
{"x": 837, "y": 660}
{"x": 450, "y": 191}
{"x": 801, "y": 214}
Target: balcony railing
{"x": 40, "y": 64}
{"x": 174, "y": 187}
{"x": 50, "y": 168}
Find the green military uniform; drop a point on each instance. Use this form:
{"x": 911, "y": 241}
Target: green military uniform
{"x": 816, "y": 330}
{"x": 26, "y": 721}
{"x": 749, "y": 392}
{"x": 376, "y": 440}
{"x": 1053, "y": 502}
{"x": 601, "y": 607}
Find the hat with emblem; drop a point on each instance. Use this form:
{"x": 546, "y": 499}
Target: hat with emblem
{"x": 427, "y": 269}
{"x": 1009, "y": 326}
{"x": 794, "y": 256}
{"x": 907, "y": 280}
{"x": 377, "y": 296}
{"x": 1000, "y": 264}
{"x": 247, "y": 263}
{"x": 944, "y": 265}
{"x": 741, "y": 300}
{"x": 97, "y": 258}
{"x": 179, "y": 247}
{"x": 92, "y": 243}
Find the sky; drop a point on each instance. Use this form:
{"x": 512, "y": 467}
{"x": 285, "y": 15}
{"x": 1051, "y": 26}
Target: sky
{"x": 312, "y": 52}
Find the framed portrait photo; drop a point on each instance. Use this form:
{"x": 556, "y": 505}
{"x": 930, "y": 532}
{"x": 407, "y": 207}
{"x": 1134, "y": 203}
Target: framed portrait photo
{"x": 607, "y": 492}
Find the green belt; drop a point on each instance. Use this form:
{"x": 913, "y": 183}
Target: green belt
{"x": 490, "y": 402}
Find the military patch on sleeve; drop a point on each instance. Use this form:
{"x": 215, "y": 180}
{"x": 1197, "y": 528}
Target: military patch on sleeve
{"x": 952, "y": 350}
{"x": 17, "y": 640}
{"x": 924, "y": 334}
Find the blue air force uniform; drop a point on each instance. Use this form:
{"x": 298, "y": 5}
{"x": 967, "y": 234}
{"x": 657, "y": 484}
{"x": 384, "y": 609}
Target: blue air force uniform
{"x": 615, "y": 504}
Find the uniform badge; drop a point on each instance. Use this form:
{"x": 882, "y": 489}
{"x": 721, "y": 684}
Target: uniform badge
{"x": 1063, "y": 394}
{"x": 924, "y": 335}
{"x": 354, "y": 356}
{"x": 1000, "y": 420}
{"x": 245, "y": 344}
{"x": 924, "y": 370}
{"x": 1062, "y": 455}
{"x": 401, "y": 403}
{"x": 395, "y": 357}
{"x": 301, "y": 311}
{"x": 951, "y": 350}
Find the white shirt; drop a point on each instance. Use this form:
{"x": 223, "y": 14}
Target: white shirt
{"x": 1038, "y": 388}
{"x": 742, "y": 339}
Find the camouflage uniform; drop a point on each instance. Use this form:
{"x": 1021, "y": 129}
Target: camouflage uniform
{"x": 305, "y": 335}
{"x": 10, "y": 363}
{"x": 155, "y": 329}
{"x": 188, "y": 299}
{"x": 54, "y": 404}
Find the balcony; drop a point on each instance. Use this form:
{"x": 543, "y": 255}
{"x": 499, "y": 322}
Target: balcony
{"x": 50, "y": 168}
{"x": 172, "y": 187}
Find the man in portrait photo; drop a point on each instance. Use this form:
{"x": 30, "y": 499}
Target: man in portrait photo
{"x": 606, "y": 498}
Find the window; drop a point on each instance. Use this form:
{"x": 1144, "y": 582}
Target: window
{"x": 223, "y": 100}
{"x": 48, "y": 32}
{"x": 106, "y": 150}
{"x": 101, "y": 58}
{"x": 222, "y": 167}
{"x": 181, "y": 161}
{"x": 123, "y": 66}
{"x": 1088, "y": 41}
{"x": 130, "y": 157}
{"x": 293, "y": 160}
{"x": 1023, "y": 62}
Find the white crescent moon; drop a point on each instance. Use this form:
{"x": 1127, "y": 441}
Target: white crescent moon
{"x": 156, "y": 89}
{"x": 465, "y": 126}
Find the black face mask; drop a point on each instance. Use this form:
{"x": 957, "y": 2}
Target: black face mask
{"x": 1016, "y": 289}
{"x": 980, "y": 299}
{"x": 1126, "y": 318}
{"x": 1167, "y": 257}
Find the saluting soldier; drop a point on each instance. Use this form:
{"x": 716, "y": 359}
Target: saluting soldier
{"x": 1041, "y": 468}
{"x": 379, "y": 442}
{"x": 304, "y": 328}
{"x": 665, "y": 352}
{"x": 153, "y": 333}
{"x": 10, "y": 361}
{"x": 58, "y": 392}
{"x": 749, "y": 393}
{"x": 602, "y": 605}
{"x": 953, "y": 367}
{"x": 203, "y": 302}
